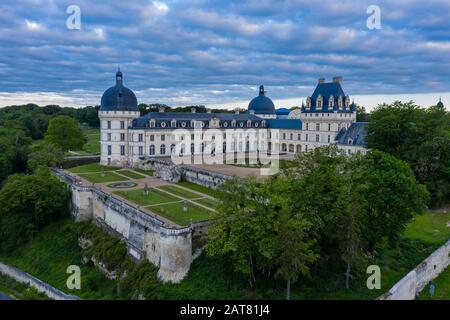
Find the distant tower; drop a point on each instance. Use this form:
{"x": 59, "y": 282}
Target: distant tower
{"x": 119, "y": 107}
{"x": 440, "y": 104}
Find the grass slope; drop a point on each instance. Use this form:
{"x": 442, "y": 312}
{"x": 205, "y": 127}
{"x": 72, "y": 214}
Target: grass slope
{"x": 90, "y": 168}
{"x": 154, "y": 197}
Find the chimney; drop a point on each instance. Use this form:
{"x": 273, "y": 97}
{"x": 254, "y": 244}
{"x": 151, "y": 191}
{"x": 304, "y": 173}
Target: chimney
{"x": 338, "y": 80}
{"x": 321, "y": 80}
{"x": 161, "y": 109}
{"x": 193, "y": 110}
{"x": 236, "y": 111}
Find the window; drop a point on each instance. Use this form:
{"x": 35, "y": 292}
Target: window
{"x": 162, "y": 149}
{"x": 192, "y": 148}
{"x": 122, "y": 124}
{"x": 172, "y": 148}
{"x": 109, "y": 124}
{"x": 299, "y": 137}
{"x": 122, "y": 137}
{"x": 140, "y": 137}
{"x": 163, "y": 138}
{"x": 329, "y": 127}
{"x": 317, "y": 138}
{"x": 152, "y": 150}
{"x": 109, "y": 136}
{"x": 141, "y": 151}
{"x": 329, "y": 138}
{"x": 306, "y": 137}
{"x": 192, "y": 137}
{"x": 317, "y": 126}
{"x": 307, "y": 126}
{"x": 284, "y": 136}
{"x": 152, "y": 137}
{"x": 109, "y": 150}
{"x": 292, "y": 136}
{"x": 122, "y": 150}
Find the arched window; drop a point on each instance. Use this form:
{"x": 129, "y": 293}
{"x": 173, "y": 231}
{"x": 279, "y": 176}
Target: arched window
{"x": 152, "y": 150}
{"x": 172, "y": 148}
{"x": 233, "y": 123}
{"x": 192, "y": 148}
{"x": 173, "y": 124}
{"x": 182, "y": 149}
{"x": 152, "y": 123}
{"x": 249, "y": 123}
{"x": 162, "y": 149}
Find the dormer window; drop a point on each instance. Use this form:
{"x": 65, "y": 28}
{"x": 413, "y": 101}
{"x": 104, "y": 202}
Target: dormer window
{"x": 225, "y": 124}
{"x": 319, "y": 102}
{"x": 173, "y": 123}
{"x": 347, "y": 101}
{"x": 350, "y": 141}
{"x": 308, "y": 102}
{"x": 249, "y": 123}
{"x": 233, "y": 123}
{"x": 163, "y": 124}
{"x": 340, "y": 102}
{"x": 152, "y": 123}
{"x": 331, "y": 102}
{"x": 263, "y": 123}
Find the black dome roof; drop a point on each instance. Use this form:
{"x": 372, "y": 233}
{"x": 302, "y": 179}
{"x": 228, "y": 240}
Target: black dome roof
{"x": 119, "y": 97}
{"x": 261, "y": 104}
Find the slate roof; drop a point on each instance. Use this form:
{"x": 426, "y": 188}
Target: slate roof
{"x": 119, "y": 97}
{"x": 186, "y": 117}
{"x": 284, "y": 123}
{"x": 355, "y": 134}
{"x": 262, "y": 104}
{"x": 326, "y": 90}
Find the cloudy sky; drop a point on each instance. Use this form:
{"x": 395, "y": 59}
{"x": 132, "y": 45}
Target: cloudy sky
{"x": 218, "y": 52}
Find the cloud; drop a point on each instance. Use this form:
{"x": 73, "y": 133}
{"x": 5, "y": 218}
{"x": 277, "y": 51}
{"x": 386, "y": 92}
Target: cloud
{"x": 211, "y": 52}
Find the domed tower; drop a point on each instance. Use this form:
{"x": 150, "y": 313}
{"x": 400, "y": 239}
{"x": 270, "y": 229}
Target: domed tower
{"x": 118, "y": 108}
{"x": 262, "y": 106}
{"x": 440, "y": 104}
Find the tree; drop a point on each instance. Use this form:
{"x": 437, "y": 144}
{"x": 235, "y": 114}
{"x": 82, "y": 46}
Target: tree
{"x": 47, "y": 155}
{"x": 27, "y": 204}
{"x": 65, "y": 132}
{"x": 390, "y": 196}
{"x": 239, "y": 225}
{"x": 418, "y": 136}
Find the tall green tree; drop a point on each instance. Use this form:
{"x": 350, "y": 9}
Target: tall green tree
{"x": 65, "y": 132}
{"x": 28, "y": 203}
{"x": 418, "y": 136}
{"x": 390, "y": 196}
{"x": 46, "y": 155}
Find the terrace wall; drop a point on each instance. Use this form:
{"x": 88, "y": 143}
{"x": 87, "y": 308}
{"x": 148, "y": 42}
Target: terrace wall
{"x": 146, "y": 236}
{"x": 414, "y": 282}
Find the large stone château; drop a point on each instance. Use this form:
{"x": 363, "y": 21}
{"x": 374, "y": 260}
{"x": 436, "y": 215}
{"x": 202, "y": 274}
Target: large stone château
{"x": 328, "y": 117}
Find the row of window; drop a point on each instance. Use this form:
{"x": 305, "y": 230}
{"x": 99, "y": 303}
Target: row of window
{"x": 203, "y": 124}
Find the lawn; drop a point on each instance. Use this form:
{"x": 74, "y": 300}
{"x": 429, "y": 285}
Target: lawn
{"x": 442, "y": 288}
{"x": 92, "y": 146}
{"x": 106, "y": 177}
{"x": 430, "y": 227}
{"x": 145, "y": 172}
{"x": 131, "y": 174}
{"x": 180, "y": 192}
{"x": 199, "y": 188}
{"x": 92, "y": 167}
{"x": 154, "y": 197}
{"x": 211, "y": 203}
{"x": 174, "y": 212}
